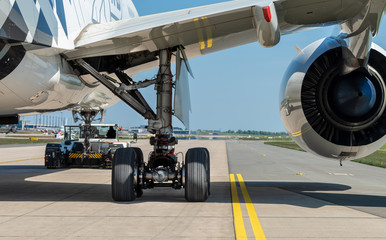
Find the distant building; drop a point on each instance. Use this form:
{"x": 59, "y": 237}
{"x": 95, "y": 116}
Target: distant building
{"x": 140, "y": 129}
{"x": 181, "y": 132}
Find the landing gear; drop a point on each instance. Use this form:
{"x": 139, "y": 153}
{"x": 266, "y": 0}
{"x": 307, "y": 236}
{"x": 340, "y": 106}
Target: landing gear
{"x": 139, "y": 164}
{"x": 88, "y": 117}
{"x": 124, "y": 175}
{"x": 197, "y": 182}
{"x": 130, "y": 173}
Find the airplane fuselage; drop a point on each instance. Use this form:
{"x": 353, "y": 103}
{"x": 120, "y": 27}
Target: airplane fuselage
{"x": 35, "y": 77}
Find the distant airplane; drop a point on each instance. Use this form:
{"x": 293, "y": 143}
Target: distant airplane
{"x": 81, "y": 56}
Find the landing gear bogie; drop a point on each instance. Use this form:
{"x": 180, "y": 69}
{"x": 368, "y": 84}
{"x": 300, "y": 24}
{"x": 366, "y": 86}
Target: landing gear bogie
{"x": 131, "y": 175}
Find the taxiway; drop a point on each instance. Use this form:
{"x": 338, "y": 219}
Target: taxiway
{"x": 293, "y": 195}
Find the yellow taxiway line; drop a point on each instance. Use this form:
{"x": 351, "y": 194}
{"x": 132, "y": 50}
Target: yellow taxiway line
{"x": 256, "y": 226}
{"x": 237, "y": 213}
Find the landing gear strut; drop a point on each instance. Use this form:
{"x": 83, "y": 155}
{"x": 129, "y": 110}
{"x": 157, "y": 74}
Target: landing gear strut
{"x": 130, "y": 174}
{"x": 88, "y": 117}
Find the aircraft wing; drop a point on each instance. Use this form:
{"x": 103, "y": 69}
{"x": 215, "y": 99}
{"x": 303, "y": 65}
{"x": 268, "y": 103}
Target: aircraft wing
{"x": 210, "y": 28}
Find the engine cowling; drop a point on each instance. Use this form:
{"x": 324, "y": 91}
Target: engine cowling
{"x": 331, "y": 114}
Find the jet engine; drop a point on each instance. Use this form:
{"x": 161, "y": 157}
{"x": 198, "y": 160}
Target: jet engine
{"x": 330, "y": 105}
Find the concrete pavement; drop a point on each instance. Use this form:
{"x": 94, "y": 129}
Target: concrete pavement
{"x": 297, "y": 195}
{"x": 325, "y": 201}
{"x": 37, "y": 203}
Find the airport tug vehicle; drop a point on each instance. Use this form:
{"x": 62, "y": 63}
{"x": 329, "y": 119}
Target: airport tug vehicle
{"x": 85, "y": 145}
{"x": 130, "y": 172}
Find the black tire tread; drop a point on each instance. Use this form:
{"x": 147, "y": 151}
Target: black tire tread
{"x": 139, "y": 160}
{"x": 122, "y": 178}
{"x": 139, "y": 154}
{"x": 197, "y": 177}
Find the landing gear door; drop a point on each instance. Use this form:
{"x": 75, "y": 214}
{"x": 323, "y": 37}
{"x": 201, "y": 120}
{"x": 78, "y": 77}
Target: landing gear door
{"x": 182, "y": 107}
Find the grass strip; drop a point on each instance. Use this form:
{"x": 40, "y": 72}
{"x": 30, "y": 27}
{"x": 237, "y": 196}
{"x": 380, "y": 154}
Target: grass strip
{"x": 377, "y": 159}
{"x": 5, "y": 141}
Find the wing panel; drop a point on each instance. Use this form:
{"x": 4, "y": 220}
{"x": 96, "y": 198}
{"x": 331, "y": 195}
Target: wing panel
{"x": 210, "y": 28}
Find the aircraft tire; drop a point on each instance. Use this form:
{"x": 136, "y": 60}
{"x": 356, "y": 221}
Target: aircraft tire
{"x": 139, "y": 160}
{"x": 208, "y": 169}
{"x": 139, "y": 154}
{"x": 197, "y": 175}
{"x": 122, "y": 178}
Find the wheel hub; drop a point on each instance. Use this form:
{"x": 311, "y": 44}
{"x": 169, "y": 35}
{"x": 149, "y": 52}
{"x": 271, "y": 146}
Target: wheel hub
{"x": 353, "y": 96}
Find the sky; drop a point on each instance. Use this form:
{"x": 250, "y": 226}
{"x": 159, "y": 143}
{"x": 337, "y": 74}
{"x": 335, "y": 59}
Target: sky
{"x": 233, "y": 89}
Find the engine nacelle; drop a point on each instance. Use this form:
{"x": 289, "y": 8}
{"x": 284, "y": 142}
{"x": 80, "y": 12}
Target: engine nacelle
{"x": 331, "y": 113}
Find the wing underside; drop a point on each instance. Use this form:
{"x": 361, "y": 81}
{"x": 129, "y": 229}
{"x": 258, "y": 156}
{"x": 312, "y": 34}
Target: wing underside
{"x": 208, "y": 29}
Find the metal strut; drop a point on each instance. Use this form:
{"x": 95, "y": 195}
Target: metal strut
{"x": 88, "y": 117}
{"x": 163, "y": 123}
{"x": 160, "y": 123}
{"x": 163, "y": 165}
{"x": 133, "y": 97}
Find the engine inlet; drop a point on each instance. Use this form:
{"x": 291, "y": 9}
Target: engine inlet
{"x": 344, "y": 109}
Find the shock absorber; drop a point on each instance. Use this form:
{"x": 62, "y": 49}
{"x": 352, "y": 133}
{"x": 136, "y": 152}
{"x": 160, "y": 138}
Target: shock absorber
{"x": 162, "y": 125}
{"x": 163, "y": 161}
